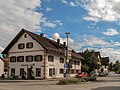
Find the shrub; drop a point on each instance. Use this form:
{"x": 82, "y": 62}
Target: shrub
{"x": 91, "y": 78}
{"x": 70, "y": 81}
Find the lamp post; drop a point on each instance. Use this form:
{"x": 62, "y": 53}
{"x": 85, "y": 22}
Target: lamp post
{"x": 67, "y": 61}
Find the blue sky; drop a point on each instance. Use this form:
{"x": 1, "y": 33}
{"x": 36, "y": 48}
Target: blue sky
{"x": 101, "y": 33}
{"x": 93, "y": 24}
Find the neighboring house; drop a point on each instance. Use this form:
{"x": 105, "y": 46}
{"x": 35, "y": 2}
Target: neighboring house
{"x": 97, "y": 54}
{"x": 105, "y": 63}
{"x": 36, "y": 56}
{"x": 5, "y": 60}
{"x": 1, "y": 67}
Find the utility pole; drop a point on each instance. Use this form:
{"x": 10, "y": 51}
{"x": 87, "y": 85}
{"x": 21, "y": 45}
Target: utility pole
{"x": 67, "y": 60}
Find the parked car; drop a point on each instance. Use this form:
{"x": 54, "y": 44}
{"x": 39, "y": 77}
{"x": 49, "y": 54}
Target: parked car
{"x": 81, "y": 75}
{"x": 92, "y": 76}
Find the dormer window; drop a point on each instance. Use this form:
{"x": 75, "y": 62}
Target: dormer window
{"x": 29, "y": 45}
{"x": 21, "y": 46}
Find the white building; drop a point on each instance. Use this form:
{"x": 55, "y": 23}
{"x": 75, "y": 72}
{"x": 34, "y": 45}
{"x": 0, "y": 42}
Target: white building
{"x": 1, "y": 67}
{"x": 36, "y": 56}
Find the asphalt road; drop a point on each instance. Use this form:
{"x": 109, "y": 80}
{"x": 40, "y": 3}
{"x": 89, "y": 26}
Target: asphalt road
{"x": 111, "y": 82}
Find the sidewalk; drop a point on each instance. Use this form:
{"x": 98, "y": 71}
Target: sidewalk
{"x": 27, "y": 80}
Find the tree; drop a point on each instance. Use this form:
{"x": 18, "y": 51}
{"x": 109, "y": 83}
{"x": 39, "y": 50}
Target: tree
{"x": 116, "y": 66}
{"x": 91, "y": 60}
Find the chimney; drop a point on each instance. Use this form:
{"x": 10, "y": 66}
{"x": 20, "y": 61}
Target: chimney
{"x": 41, "y": 35}
{"x": 58, "y": 41}
{"x": 64, "y": 43}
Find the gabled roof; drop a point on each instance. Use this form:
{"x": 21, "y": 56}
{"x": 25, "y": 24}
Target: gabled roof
{"x": 97, "y": 54}
{"x": 1, "y": 59}
{"x": 104, "y": 60}
{"x": 76, "y": 55}
{"x": 47, "y": 44}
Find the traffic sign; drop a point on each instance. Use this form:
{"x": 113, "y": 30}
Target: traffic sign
{"x": 65, "y": 65}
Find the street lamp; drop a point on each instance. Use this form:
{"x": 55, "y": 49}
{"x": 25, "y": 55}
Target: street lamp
{"x": 67, "y": 61}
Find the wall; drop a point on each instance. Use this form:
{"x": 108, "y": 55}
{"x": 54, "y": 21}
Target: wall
{"x": 36, "y": 50}
{"x": 1, "y": 67}
{"x": 57, "y": 65}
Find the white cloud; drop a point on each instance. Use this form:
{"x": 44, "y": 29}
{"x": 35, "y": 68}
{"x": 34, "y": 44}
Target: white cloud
{"x": 56, "y": 36}
{"x": 71, "y": 3}
{"x": 91, "y": 19}
{"x": 111, "y": 32}
{"x": 1, "y": 49}
{"x": 48, "y": 9}
{"x": 106, "y": 10}
{"x": 91, "y": 40}
{"x": 17, "y": 14}
{"x": 108, "y": 49}
{"x": 88, "y": 40}
{"x": 64, "y": 1}
{"x": 51, "y": 24}
{"x": 113, "y": 54}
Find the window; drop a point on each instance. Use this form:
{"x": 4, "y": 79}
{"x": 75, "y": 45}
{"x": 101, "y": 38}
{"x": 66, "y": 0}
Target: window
{"x": 29, "y": 45}
{"x": 38, "y": 72}
{"x": 13, "y": 59}
{"x": 20, "y": 59}
{"x": 78, "y": 63}
{"x": 21, "y": 71}
{"x": 74, "y": 62}
{"x": 29, "y": 58}
{"x": 77, "y": 71}
{"x": 61, "y": 71}
{"x": 61, "y": 60}
{"x": 38, "y": 58}
{"x": 72, "y": 71}
{"x": 25, "y": 35}
{"x": 12, "y": 71}
{"x": 21, "y": 46}
{"x": 50, "y": 58}
{"x": 53, "y": 71}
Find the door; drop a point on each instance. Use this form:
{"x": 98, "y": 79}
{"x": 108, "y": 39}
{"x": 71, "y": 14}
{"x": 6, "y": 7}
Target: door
{"x": 51, "y": 72}
{"x": 29, "y": 73}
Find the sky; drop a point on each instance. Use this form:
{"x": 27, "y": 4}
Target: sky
{"x": 93, "y": 24}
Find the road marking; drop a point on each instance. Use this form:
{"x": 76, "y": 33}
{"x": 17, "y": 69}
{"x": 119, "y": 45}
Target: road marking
{"x": 55, "y": 86}
{"x": 82, "y": 88}
{"x": 5, "y": 88}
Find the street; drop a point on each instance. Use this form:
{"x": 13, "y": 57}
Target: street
{"x": 111, "y": 82}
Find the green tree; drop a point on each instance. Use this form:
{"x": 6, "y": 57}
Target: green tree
{"x": 116, "y": 66}
{"x": 90, "y": 60}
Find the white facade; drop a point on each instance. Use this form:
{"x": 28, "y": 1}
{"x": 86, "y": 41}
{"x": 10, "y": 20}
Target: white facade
{"x": 40, "y": 69}
{"x": 36, "y": 50}
{"x": 1, "y": 67}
